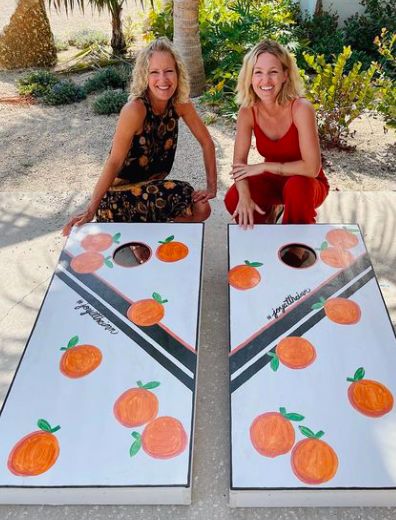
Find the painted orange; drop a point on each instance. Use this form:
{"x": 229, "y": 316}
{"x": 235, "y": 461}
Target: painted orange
{"x": 342, "y": 311}
{"x": 34, "y": 454}
{"x": 172, "y": 251}
{"x": 135, "y": 407}
{"x": 313, "y": 461}
{"x": 295, "y": 352}
{"x": 146, "y": 312}
{"x": 271, "y": 434}
{"x": 337, "y": 257}
{"x": 88, "y": 262}
{"x": 342, "y": 238}
{"x": 164, "y": 438}
{"x": 80, "y": 360}
{"x": 370, "y": 397}
{"x": 97, "y": 242}
{"x": 243, "y": 277}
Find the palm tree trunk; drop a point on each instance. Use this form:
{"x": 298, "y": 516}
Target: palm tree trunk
{"x": 117, "y": 39}
{"x": 27, "y": 41}
{"x": 187, "y": 41}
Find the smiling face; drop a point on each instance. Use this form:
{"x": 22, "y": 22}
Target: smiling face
{"x": 268, "y": 76}
{"x": 162, "y": 77}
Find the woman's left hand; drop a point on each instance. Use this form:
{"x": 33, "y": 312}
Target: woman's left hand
{"x": 203, "y": 195}
{"x": 241, "y": 171}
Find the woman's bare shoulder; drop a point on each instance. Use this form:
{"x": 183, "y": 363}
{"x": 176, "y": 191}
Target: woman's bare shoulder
{"x": 134, "y": 107}
{"x": 302, "y": 106}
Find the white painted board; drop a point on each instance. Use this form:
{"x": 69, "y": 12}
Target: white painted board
{"x": 302, "y": 434}
{"x": 125, "y": 385}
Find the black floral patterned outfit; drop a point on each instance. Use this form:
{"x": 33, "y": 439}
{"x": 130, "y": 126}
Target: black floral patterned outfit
{"x": 141, "y": 192}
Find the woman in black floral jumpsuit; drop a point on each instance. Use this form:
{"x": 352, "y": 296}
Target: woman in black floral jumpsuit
{"x": 134, "y": 186}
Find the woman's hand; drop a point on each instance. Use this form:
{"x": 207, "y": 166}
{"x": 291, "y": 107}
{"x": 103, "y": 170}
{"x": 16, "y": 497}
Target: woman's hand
{"x": 78, "y": 220}
{"x": 245, "y": 212}
{"x": 241, "y": 171}
{"x": 203, "y": 195}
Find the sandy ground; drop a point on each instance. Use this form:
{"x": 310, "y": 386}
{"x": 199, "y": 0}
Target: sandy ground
{"x": 59, "y": 147}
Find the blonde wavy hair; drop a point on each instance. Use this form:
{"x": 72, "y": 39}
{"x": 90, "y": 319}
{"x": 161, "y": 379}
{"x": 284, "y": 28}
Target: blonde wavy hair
{"x": 140, "y": 74}
{"x": 291, "y": 89}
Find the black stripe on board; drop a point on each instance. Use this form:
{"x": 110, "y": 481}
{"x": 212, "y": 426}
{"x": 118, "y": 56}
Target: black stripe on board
{"x": 128, "y": 331}
{"x": 283, "y": 324}
{"x": 158, "y": 334}
{"x": 299, "y": 331}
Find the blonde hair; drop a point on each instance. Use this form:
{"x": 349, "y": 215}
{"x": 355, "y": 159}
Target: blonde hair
{"x": 140, "y": 74}
{"x": 291, "y": 89}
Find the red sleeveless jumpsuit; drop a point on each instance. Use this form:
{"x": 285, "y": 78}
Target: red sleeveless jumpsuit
{"x": 300, "y": 194}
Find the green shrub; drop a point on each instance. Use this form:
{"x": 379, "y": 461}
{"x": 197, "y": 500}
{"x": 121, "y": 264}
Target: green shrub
{"x": 110, "y": 102}
{"x": 61, "y": 45}
{"x": 131, "y": 28}
{"x": 339, "y": 98}
{"x": 159, "y": 23}
{"x": 86, "y": 37}
{"x": 109, "y": 77}
{"x": 319, "y": 34}
{"x": 386, "y": 44}
{"x": 361, "y": 29}
{"x": 63, "y": 93}
{"x": 36, "y": 83}
{"x": 229, "y": 29}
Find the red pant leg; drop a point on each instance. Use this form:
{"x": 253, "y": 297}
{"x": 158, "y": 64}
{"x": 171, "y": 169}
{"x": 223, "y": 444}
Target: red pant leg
{"x": 301, "y": 195}
{"x": 265, "y": 190}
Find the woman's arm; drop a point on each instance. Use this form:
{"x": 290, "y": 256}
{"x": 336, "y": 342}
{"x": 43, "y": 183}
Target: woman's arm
{"x": 129, "y": 123}
{"x": 246, "y": 206}
{"x": 200, "y": 132}
{"x": 305, "y": 120}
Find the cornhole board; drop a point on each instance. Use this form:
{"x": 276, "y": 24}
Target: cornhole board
{"x": 114, "y": 445}
{"x": 301, "y": 433}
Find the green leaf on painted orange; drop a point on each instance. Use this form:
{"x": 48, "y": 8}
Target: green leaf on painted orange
{"x": 169, "y": 239}
{"x": 324, "y": 245}
{"x": 151, "y": 385}
{"x": 139, "y": 383}
{"x": 293, "y": 416}
{"x": 359, "y": 374}
{"x": 72, "y": 342}
{"x": 116, "y": 238}
{"x": 317, "y": 305}
{"x": 274, "y": 362}
{"x": 307, "y": 432}
{"x": 44, "y": 425}
{"x": 108, "y": 262}
{"x": 253, "y": 264}
{"x": 158, "y": 298}
{"x": 322, "y": 300}
{"x": 319, "y": 434}
{"x": 136, "y": 445}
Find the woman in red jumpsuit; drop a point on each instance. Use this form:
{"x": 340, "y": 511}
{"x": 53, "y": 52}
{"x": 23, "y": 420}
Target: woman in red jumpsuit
{"x": 284, "y": 125}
